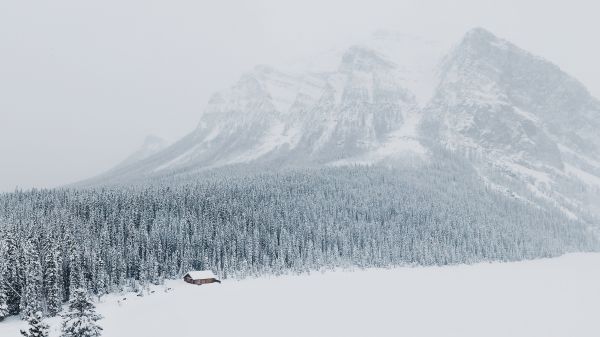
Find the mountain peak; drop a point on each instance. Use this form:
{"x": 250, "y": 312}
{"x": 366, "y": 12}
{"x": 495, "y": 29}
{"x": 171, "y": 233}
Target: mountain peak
{"x": 363, "y": 59}
{"x": 480, "y": 33}
{"x": 481, "y": 39}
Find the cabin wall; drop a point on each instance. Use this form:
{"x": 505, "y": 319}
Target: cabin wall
{"x": 199, "y": 281}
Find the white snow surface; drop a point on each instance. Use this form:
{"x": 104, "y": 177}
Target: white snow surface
{"x": 547, "y": 298}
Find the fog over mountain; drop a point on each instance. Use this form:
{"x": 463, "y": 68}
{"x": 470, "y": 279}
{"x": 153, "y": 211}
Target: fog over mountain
{"x": 527, "y": 127}
{"x": 84, "y": 83}
{"x": 152, "y": 144}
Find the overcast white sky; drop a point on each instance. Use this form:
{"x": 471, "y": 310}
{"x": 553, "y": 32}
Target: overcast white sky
{"x": 83, "y": 82}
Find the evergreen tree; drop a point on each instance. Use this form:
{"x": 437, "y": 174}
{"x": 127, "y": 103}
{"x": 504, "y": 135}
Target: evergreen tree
{"x": 3, "y": 288}
{"x": 3, "y": 301}
{"x": 101, "y": 278}
{"x": 31, "y": 298}
{"x": 76, "y": 280}
{"x": 81, "y": 319}
{"x": 37, "y": 327}
{"x": 13, "y": 274}
{"x": 52, "y": 282}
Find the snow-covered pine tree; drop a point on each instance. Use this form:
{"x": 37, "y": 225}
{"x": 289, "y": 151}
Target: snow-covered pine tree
{"x": 153, "y": 272}
{"x": 3, "y": 288}
{"x": 13, "y": 273}
{"x": 31, "y": 297}
{"x": 76, "y": 280}
{"x": 3, "y": 300}
{"x": 81, "y": 319}
{"x": 37, "y": 327}
{"x": 101, "y": 278}
{"x": 52, "y": 284}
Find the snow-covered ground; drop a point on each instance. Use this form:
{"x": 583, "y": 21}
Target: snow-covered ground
{"x": 549, "y": 297}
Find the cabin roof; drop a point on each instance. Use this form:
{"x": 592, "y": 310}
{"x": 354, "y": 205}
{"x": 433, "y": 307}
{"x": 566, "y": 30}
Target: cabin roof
{"x": 201, "y": 274}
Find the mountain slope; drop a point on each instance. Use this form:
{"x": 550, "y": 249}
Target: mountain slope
{"x": 518, "y": 117}
{"x": 356, "y": 112}
{"x": 528, "y": 128}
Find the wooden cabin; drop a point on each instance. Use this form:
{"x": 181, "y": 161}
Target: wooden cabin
{"x": 200, "y": 277}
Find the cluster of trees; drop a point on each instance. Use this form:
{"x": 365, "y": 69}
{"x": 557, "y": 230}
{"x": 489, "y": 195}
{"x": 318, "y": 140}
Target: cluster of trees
{"x": 81, "y": 320}
{"x": 127, "y": 237}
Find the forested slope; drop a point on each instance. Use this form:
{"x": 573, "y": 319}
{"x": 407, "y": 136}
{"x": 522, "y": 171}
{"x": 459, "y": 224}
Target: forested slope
{"x": 265, "y": 222}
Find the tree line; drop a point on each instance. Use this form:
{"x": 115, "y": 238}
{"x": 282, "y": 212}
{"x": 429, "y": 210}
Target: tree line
{"x": 290, "y": 221}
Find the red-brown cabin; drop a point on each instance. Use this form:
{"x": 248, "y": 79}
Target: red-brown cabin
{"x": 200, "y": 277}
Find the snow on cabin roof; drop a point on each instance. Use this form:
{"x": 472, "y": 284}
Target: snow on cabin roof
{"x": 201, "y": 274}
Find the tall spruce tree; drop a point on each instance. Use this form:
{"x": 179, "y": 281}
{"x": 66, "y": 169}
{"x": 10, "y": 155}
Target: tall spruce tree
{"x": 52, "y": 284}
{"x": 81, "y": 320}
{"x": 101, "y": 278}
{"x": 3, "y": 288}
{"x": 13, "y": 273}
{"x": 3, "y": 301}
{"x": 76, "y": 280}
{"x": 32, "y": 296}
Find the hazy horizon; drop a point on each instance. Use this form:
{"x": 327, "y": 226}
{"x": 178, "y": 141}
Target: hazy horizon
{"x": 82, "y": 84}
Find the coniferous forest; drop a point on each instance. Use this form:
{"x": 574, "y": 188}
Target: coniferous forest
{"x": 107, "y": 239}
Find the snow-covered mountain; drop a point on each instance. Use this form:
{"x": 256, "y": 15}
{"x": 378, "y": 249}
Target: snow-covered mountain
{"x": 308, "y": 118}
{"x": 518, "y": 118}
{"x": 528, "y": 128}
{"x": 361, "y": 104}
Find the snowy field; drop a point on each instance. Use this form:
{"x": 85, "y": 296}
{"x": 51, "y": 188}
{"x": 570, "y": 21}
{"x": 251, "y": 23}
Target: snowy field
{"x": 545, "y": 298}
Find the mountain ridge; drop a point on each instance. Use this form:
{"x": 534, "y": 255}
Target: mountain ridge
{"x": 528, "y": 127}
